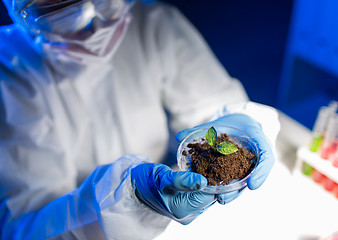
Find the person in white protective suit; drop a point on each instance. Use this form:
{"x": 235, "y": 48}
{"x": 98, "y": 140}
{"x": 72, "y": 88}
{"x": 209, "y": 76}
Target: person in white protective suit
{"x": 90, "y": 92}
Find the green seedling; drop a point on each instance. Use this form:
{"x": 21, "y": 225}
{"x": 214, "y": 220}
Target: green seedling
{"x": 224, "y": 147}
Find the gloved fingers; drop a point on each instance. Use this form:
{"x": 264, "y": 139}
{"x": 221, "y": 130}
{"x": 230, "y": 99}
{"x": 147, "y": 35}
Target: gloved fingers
{"x": 190, "y": 204}
{"x": 226, "y": 198}
{"x": 189, "y": 181}
{"x": 179, "y": 181}
{"x": 199, "y": 200}
{"x": 265, "y": 163}
{"x": 171, "y": 193}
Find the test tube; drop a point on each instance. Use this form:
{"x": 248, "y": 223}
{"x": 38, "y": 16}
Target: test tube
{"x": 334, "y": 155}
{"x": 335, "y": 190}
{"x": 329, "y": 185}
{"x": 318, "y": 177}
{"x": 334, "y": 158}
{"x": 320, "y": 126}
{"x": 330, "y": 141}
{"x": 307, "y": 169}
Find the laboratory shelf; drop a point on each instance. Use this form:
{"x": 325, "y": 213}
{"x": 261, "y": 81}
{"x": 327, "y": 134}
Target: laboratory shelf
{"x": 313, "y": 159}
{"x": 314, "y": 189}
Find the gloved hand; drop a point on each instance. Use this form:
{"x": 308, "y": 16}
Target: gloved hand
{"x": 253, "y": 129}
{"x": 174, "y": 194}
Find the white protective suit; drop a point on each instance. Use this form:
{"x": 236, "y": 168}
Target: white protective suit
{"x": 65, "y": 127}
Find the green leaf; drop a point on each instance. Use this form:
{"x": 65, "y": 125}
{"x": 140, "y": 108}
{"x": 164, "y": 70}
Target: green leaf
{"x": 226, "y": 148}
{"x": 211, "y": 136}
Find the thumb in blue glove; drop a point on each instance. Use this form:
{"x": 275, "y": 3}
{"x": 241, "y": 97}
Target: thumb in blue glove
{"x": 173, "y": 194}
{"x": 253, "y": 129}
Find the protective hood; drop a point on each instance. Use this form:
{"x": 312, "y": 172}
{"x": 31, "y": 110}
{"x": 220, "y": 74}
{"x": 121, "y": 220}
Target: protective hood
{"x": 79, "y": 30}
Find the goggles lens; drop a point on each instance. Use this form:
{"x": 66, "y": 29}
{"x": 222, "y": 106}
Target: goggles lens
{"x": 71, "y": 15}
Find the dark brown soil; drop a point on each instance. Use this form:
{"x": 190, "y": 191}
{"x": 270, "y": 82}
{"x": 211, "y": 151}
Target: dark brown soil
{"x": 219, "y": 168}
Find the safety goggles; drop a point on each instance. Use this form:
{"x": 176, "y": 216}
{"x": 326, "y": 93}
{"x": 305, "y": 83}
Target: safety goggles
{"x": 69, "y": 16}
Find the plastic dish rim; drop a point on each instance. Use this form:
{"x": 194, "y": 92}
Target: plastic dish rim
{"x": 220, "y": 189}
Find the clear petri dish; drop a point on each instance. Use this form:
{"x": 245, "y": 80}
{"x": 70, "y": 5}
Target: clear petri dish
{"x": 237, "y": 136}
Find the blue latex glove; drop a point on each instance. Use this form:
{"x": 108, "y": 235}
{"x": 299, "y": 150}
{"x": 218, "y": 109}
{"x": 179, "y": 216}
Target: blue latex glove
{"x": 253, "y": 129}
{"x": 174, "y": 194}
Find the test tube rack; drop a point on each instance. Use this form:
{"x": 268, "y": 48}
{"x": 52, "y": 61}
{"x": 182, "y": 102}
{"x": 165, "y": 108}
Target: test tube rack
{"x": 320, "y": 170}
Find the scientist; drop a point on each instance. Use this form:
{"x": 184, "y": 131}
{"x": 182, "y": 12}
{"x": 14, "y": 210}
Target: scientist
{"x": 89, "y": 93}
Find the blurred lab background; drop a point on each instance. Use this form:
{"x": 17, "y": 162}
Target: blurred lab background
{"x": 283, "y": 51}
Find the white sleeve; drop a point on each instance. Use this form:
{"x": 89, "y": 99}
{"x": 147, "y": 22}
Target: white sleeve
{"x": 39, "y": 197}
{"x": 103, "y": 207}
{"x": 122, "y": 215}
{"x": 196, "y": 84}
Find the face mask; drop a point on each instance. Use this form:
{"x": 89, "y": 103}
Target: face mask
{"x": 82, "y": 30}
{"x": 95, "y": 46}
